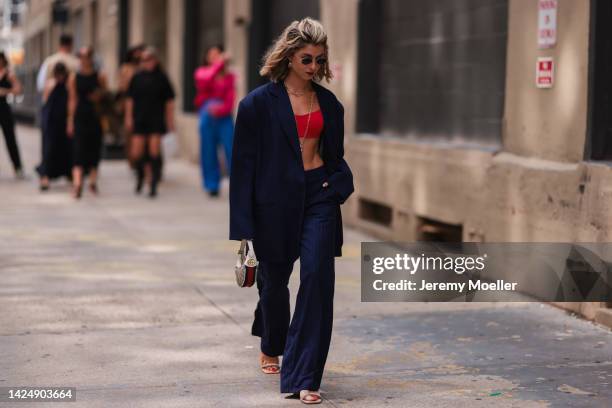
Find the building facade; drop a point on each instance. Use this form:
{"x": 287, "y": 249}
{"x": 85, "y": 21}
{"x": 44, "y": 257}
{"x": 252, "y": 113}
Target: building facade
{"x": 447, "y": 133}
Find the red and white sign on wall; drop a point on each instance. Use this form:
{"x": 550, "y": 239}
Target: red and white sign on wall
{"x": 545, "y": 75}
{"x": 547, "y": 23}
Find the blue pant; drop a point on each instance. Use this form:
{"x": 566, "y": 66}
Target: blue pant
{"x": 304, "y": 344}
{"x": 214, "y": 131}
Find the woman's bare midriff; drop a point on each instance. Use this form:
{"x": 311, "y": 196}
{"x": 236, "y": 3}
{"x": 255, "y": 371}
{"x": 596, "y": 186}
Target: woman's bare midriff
{"x": 310, "y": 154}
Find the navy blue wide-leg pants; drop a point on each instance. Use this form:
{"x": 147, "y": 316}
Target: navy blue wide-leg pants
{"x": 305, "y": 342}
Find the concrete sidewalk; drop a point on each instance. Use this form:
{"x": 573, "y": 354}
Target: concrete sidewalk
{"x": 133, "y": 302}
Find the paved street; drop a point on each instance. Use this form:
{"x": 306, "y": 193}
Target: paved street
{"x": 133, "y": 302}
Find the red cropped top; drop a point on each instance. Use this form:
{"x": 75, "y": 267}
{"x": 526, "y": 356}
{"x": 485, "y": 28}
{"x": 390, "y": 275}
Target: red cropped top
{"x": 314, "y": 129}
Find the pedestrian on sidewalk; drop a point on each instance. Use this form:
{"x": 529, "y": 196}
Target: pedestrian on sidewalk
{"x": 215, "y": 100}
{"x": 63, "y": 55}
{"x": 85, "y": 90}
{"x": 56, "y": 145}
{"x": 9, "y": 84}
{"x": 127, "y": 70}
{"x": 288, "y": 180}
{"x": 149, "y": 114}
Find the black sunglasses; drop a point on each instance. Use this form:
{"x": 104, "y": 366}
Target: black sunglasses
{"x": 307, "y": 60}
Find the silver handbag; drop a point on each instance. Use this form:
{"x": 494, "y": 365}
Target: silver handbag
{"x": 246, "y": 265}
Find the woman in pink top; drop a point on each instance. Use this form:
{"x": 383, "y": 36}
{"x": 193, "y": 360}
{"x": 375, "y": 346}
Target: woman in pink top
{"x": 215, "y": 99}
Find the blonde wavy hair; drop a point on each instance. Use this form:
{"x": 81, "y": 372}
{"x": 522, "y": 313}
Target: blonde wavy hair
{"x": 297, "y": 35}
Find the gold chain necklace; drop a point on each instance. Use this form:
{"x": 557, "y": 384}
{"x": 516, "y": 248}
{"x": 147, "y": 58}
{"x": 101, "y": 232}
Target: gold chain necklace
{"x": 303, "y": 139}
{"x": 293, "y": 92}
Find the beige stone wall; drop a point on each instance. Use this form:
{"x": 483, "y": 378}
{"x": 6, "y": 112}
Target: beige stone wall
{"x": 186, "y": 123}
{"x": 107, "y": 41}
{"x": 37, "y": 31}
{"x": 551, "y": 123}
{"x": 339, "y": 17}
{"x": 37, "y": 16}
{"x": 236, "y": 43}
{"x": 174, "y": 40}
{"x": 137, "y": 19}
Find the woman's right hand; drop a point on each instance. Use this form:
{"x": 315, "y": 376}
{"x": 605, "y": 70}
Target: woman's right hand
{"x": 129, "y": 125}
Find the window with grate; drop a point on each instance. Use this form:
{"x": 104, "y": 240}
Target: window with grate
{"x": 433, "y": 70}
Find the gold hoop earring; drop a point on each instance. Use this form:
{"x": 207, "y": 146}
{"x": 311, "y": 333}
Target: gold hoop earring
{"x": 290, "y": 64}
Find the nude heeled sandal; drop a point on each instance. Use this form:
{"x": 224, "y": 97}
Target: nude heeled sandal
{"x": 310, "y": 397}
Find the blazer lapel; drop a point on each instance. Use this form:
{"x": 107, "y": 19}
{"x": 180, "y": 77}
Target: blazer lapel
{"x": 284, "y": 114}
{"x": 325, "y": 143}
{"x": 323, "y": 103}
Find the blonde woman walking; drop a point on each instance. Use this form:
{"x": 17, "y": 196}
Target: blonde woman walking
{"x": 288, "y": 180}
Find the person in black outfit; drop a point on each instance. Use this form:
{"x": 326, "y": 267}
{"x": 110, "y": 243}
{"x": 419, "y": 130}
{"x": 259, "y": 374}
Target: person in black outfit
{"x": 56, "y": 146}
{"x": 85, "y": 88}
{"x": 149, "y": 114}
{"x": 127, "y": 70}
{"x": 9, "y": 84}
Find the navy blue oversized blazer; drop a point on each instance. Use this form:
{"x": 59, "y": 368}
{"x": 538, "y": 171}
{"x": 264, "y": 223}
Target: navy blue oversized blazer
{"x": 267, "y": 183}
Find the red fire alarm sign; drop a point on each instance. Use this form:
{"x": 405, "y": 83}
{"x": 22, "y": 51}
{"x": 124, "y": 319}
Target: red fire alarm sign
{"x": 545, "y": 72}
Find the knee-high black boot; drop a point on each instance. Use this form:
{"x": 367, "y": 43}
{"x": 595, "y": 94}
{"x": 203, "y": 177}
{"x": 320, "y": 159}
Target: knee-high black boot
{"x": 139, "y": 164}
{"x": 155, "y": 175}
